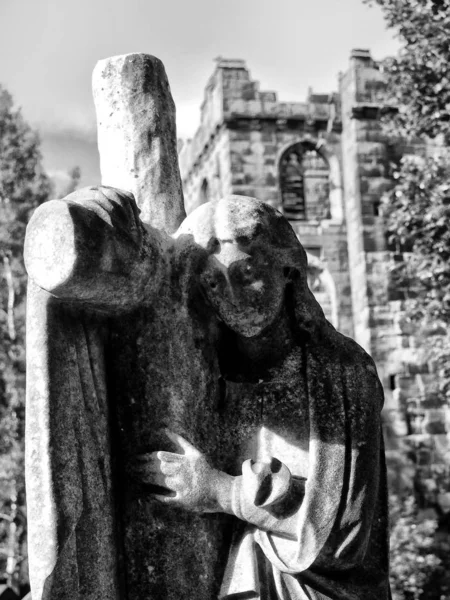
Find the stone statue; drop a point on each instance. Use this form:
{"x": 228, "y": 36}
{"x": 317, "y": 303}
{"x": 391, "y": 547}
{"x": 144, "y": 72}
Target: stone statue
{"x": 195, "y": 427}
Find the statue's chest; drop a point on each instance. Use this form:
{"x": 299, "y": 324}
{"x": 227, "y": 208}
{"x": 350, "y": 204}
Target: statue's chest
{"x": 268, "y": 418}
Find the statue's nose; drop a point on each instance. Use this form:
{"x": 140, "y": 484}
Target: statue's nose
{"x": 229, "y": 255}
{"x": 227, "y": 265}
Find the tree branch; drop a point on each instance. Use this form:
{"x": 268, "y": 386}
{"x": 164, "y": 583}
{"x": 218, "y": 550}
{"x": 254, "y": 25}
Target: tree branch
{"x": 11, "y": 298}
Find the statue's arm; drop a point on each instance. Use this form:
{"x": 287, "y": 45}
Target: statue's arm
{"x": 264, "y": 495}
{"x": 91, "y": 248}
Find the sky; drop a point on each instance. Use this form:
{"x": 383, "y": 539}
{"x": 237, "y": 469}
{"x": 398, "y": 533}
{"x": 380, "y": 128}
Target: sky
{"x": 48, "y": 49}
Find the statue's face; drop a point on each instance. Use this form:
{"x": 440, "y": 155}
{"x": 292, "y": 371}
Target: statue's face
{"x": 242, "y": 279}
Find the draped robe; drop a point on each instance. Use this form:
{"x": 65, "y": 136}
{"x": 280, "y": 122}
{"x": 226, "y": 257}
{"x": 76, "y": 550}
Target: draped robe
{"x": 325, "y": 402}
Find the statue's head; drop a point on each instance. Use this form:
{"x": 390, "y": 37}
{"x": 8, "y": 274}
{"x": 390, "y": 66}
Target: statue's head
{"x": 252, "y": 253}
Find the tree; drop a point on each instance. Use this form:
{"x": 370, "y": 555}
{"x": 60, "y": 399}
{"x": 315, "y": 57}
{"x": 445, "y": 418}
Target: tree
{"x": 417, "y": 566}
{"x": 417, "y": 213}
{"x": 23, "y": 186}
{"x": 418, "y": 78}
{"x": 65, "y": 182}
{"x": 417, "y": 209}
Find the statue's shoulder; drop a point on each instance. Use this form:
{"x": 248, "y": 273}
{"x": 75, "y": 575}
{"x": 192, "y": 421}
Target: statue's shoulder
{"x": 338, "y": 349}
{"x": 350, "y": 372}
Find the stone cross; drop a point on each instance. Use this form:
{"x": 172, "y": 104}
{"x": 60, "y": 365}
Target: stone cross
{"x": 142, "y": 341}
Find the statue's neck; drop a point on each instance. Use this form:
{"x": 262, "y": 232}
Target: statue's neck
{"x": 270, "y": 346}
{"x": 258, "y": 357}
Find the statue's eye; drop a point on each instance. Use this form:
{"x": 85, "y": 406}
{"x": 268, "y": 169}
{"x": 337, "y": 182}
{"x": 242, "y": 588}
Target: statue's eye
{"x": 245, "y": 273}
{"x": 213, "y": 246}
{"x": 243, "y": 240}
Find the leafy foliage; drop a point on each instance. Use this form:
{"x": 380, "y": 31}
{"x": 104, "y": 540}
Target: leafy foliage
{"x": 69, "y": 185}
{"x": 418, "y": 554}
{"x": 418, "y": 206}
{"x": 23, "y": 185}
{"x": 418, "y": 78}
{"x": 417, "y": 212}
{"x": 417, "y": 209}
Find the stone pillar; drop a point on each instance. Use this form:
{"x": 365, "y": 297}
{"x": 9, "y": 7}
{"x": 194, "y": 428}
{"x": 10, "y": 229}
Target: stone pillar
{"x": 365, "y": 165}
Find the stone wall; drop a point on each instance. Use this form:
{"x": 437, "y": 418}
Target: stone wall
{"x": 211, "y": 173}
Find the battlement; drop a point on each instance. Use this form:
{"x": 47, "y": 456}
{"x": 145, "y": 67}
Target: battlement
{"x": 232, "y": 96}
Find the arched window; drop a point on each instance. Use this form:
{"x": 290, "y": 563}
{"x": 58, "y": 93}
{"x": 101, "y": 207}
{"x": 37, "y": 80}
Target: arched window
{"x": 204, "y": 192}
{"x": 304, "y": 183}
{"x": 292, "y": 183}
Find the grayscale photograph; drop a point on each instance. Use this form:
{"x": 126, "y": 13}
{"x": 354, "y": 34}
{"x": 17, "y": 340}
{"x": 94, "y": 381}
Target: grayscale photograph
{"x": 225, "y": 300}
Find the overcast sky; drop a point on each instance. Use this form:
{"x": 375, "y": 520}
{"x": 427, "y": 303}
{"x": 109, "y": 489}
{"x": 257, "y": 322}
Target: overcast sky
{"x": 48, "y": 49}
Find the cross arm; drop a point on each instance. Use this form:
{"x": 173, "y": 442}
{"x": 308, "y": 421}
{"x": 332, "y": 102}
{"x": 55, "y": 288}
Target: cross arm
{"x": 91, "y": 248}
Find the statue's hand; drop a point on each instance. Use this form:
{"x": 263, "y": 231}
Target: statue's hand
{"x": 193, "y": 482}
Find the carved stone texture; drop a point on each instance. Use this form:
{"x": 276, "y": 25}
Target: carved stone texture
{"x": 137, "y": 135}
{"x": 67, "y": 240}
{"x": 214, "y": 333}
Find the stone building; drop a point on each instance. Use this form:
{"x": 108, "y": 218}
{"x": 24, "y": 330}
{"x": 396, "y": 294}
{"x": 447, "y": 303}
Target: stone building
{"x": 324, "y": 163}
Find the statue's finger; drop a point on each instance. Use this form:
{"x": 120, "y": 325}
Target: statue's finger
{"x": 165, "y": 499}
{"x": 169, "y": 456}
{"x": 143, "y": 469}
{"x": 156, "y": 478}
{"x": 180, "y": 442}
{"x": 141, "y": 472}
{"x": 152, "y": 474}
{"x": 144, "y": 457}
{"x": 169, "y": 468}
{"x": 147, "y": 462}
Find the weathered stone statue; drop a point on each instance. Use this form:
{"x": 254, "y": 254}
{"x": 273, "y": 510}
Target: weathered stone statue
{"x": 195, "y": 427}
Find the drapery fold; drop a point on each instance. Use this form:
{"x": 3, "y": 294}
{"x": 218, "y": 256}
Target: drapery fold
{"x": 340, "y": 527}
{"x": 71, "y": 531}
